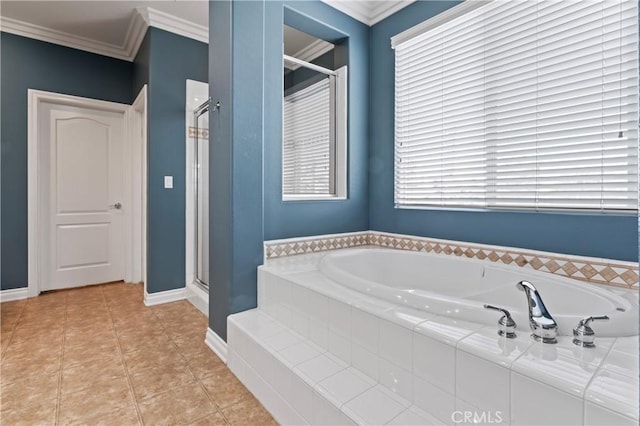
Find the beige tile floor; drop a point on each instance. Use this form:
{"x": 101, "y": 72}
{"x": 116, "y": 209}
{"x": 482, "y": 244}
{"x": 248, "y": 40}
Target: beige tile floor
{"x": 97, "y": 355}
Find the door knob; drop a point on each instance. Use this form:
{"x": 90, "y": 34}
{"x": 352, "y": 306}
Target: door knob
{"x": 116, "y": 206}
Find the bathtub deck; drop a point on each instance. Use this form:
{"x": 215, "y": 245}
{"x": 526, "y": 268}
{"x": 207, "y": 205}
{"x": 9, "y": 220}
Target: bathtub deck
{"x": 314, "y": 352}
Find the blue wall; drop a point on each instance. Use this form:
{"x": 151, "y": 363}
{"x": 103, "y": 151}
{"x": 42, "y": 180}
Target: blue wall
{"x": 164, "y": 62}
{"x": 172, "y": 60}
{"x": 246, "y": 208}
{"x": 302, "y": 218}
{"x": 141, "y": 65}
{"x": 32, "y": 64}
{"x": 600, "y": 235}
{"x": 238, "y": 81}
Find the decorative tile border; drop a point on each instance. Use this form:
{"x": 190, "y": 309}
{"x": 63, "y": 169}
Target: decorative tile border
{"x": 202, "y": 133}
{"x": 596, "y": 271}
{"x": 293, "y": 246}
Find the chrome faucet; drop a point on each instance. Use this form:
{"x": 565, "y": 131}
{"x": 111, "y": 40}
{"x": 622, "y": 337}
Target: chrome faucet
{"x": 542, "y": 324}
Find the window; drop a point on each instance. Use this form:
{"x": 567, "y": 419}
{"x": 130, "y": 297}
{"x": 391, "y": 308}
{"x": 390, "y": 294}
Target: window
{"x": 307, "y": 138}
{"x": 530, "y": 105}
{"x": 314, "y": 125}
{"x": 314, "y": 139}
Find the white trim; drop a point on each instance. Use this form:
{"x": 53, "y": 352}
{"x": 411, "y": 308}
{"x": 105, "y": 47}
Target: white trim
{"x": 368, "y": 12}
{"x": 141, "y": 19}
{"x": 216, "y": 344}
{"x": 312, "y": 197}
{"x": 14, "y": 294}
{"x": 145, "y": 17}
{"x": 437, "y": 20}
{"x": 49, "y": 35}
{"x": 35, "y": 98}
{"x": 135, "y": 36}
{"x": 136, "y": 258}
{"x": 168, "y": 296}
{"x": 314, "y": 50}
{"x": 341, "y": 132}
{"x": 356, "y": 9}
{"x": 33, "y": 177}
{"x": 384, "y": 9}
{"x": 198, "y": 298}
{"x": 167, "y": 22}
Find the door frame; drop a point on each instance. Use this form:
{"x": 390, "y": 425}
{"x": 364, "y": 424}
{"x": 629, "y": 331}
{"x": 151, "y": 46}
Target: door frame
{"x": 138, "y": 254}
{"x": 134, "y": 226}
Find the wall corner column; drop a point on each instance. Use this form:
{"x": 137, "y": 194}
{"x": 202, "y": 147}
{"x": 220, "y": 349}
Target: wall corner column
{"x": 236, "y": 80}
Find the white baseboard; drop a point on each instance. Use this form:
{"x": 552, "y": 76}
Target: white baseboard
{"x": 14, "y": 294}
{"x": 198, "y": 298}
{"x": 216, "y": 344}
{"x": 151, "y": 299}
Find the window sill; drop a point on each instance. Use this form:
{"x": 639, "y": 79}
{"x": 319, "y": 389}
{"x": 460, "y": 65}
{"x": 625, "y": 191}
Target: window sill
{"x": 519, "y": 210}
{"x": 313, "y": 197}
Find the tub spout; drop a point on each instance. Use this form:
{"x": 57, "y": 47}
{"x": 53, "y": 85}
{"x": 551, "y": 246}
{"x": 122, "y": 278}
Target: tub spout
{"x": 542, "y": 324}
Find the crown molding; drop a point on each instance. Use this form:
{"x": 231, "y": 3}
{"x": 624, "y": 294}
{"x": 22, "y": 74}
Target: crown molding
{"x": 167, "y": 22}
{"x": 368, "y": 12}
{"x": 356, "y": 9}
{"x": 384, "y": 9}
{"x": 135, "y": 35}
{"x": 311, "y": 52}
{"x": 25, "y": 29}
{"x": 141, "y": 19}
{"x": 314, "y": 50}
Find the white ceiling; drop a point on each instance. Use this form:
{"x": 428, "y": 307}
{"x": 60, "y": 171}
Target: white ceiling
{"x": 115, "y": 28}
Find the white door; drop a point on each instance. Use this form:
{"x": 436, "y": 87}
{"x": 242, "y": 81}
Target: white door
{"x": 86, "y": 232}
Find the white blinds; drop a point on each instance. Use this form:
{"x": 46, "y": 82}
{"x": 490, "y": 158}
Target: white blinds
{"x": 307, "y": 140}
{"x": 530, "y": 104}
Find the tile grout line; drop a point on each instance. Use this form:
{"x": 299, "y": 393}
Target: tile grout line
{"x": 186, "y": 362}
{"x": 168, "y": 336}
{"x": 13, "y": 329}
{"x": 198, "y": 379}
{"x": 185, "y": 339}
{"x": 214, "y": 402}
{"x": 212, "y": 399}
{"x": 122, "y": 359}
{"x": 64, "y": 333}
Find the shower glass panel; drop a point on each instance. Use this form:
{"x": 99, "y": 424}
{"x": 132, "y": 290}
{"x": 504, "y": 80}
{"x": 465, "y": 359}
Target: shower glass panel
{"x": 201, "y": 121}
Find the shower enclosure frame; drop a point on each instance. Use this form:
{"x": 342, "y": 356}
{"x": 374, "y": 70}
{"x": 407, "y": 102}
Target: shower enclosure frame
{"x": 197, "y": 113}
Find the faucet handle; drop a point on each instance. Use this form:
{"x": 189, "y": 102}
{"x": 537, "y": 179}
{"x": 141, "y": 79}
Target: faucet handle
{"x": 506, "y": 323}
{"x": 583, "y": 335}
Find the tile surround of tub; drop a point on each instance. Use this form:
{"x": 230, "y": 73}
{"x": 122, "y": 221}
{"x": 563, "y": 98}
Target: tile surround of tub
{"x": 592, "y": 270}
{"x": 445, "y": 365}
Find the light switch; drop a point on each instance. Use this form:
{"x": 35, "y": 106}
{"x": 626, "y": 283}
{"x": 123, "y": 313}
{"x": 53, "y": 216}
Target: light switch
{"x": 168, "y": 182}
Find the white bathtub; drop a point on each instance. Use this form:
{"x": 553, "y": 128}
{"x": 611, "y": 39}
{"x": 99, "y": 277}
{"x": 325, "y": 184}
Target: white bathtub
{"x": 316, "y": 351}
{"x": 458, "y": 288}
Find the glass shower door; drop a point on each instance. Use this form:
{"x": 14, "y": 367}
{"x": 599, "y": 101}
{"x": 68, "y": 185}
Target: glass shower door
{"x": 201, "y": 120}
